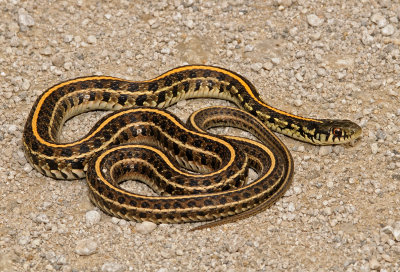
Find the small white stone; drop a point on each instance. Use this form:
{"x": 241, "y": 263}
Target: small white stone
{"x": 115, "y": 220}
{"x": 314, "y": 20}
{"x": 396, "y": 231}
{"x": 112, "y": 267}
{"x": 68, "y": 38}
{"x": 341, "y": 75}
{"x": 367, "y": 39}
{"x": 291, "y": 207}
{"x": 107, "y": 16}
{"x": 12, "y": 128}
{"x": 276, "y": 61}
{"x": 166, "y": 50}
{"x": 145, "y": 227}
{"x": 92, "y": 217}
{"x": 298, "y": 102}
{"x": 26, "y": 20}
{"x": 299, "y": 77}
{"x": 41, "y": 218}
{"x": 374, "y": 264}
{"x": 293, "y": 31}
{"x": 327, "y": 211}
{"x": 27, "y": 168}
{"x": 23, "y": 240}
{"x": 188, "y": 3}
{"x": 325, "y": 150}
{"x": 321, "y": 71}
{"x": 256, "y": 66}
{"x": 315, "y": 36}
{"x": 248, "y": 48}
{"x": 25, "y": 85}
{"x": 85, "y": 247}
{"x": 190, "y": 24}
{"x": 58, "y": 60}
{"x": 268, "y": 65}
{"x": 379, "y": 19}
{"x": 374, "y": 148}
{"x": 14, "y": 42}
{"x": 46, "y": 51}
{"x": 345, "y": 62}
{"x": 92, "y": 39}
{"x": 68, "y": 65}
{"x": 297, "y": 190}
{"x": 300, "y": 54}
{"x": 388, "y": 30}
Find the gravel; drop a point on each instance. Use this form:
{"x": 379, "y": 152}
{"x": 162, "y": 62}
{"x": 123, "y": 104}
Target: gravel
{"x": 86, "y": 247}
{"x": 339, "y": 59}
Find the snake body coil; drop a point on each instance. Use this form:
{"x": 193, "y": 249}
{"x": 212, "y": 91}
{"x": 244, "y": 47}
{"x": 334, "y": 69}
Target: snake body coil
{"x": 142, "y": 142}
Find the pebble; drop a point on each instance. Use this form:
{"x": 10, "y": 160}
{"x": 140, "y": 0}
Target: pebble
{"x": 27, "y": 168}
{"x": 85, "y": 247}
{"x": 380, "y": 134}
{"x": 46, "y": 51}
{"x": 25, "y": 85}
{"x": 367, "y": 39}
{"x": 291, "y": 207}
{"x": 276, "y": 60}
{"x": 58, "y": 60}
{"x": 68, "y": 38}
{"x": 379, "y": 19}
{"x": 314, "y": 20}
{"x": 165, "y": 50}
{"x": 325, "y": 150}
{"x": 298, "y": 102}
{"x": 91, "y": 39}
{"x": 23, "y": 240}
{"x": 41, "y": 218}
{"x": 268, "y": 65}
{"x": 25, "y": 19}
{"x": 396, "y": 231}
{"x": 92, "y": 217}
{"x": 256, "y": 66}
{"x": 248, "y": 48}
{"x": 190, "y": 24}
{"x": 374, "y": 148}
{"x": 388, "y": 30}
{"x": 145, "y": 227}
{"x": 112, "y": 267}
{"x": 299, "y": 77}
{"x": 374, "y": 264}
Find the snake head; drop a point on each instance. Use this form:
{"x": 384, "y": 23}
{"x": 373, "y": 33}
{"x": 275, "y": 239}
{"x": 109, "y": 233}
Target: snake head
{"x": 337, "y": 132}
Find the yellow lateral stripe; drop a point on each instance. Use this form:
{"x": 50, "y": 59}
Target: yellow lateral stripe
{"x": 176, "y": 70}
{"x": 100, "y": 173}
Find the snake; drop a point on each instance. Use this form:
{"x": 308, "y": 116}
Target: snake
{"x": 197, "y": 175}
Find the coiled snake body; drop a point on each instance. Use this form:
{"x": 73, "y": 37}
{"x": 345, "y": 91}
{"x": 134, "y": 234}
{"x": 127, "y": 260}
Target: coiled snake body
{"x": 200, "y": 176}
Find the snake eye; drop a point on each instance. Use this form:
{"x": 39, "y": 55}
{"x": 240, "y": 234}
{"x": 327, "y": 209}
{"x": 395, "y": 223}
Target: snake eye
{"x": 337, "y": 132}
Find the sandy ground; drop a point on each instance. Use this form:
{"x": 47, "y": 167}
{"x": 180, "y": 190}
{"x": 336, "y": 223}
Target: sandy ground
{"x": 340, "y": 60}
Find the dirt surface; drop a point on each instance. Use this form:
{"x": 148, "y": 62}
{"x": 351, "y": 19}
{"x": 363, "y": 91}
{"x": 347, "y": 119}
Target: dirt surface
{"x": 340, "y": 60}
